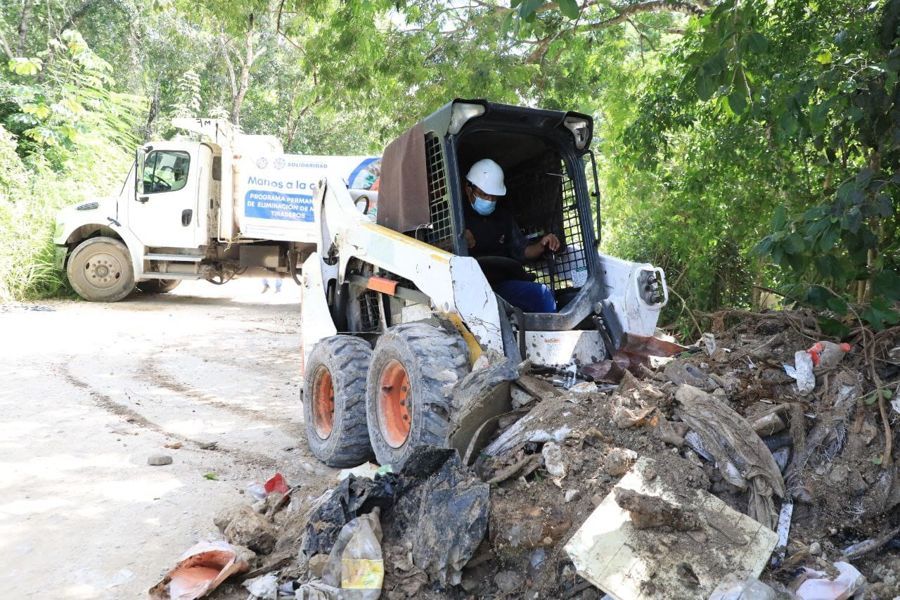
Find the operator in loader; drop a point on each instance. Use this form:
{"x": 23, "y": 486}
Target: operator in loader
{"x": 492, "y": 235}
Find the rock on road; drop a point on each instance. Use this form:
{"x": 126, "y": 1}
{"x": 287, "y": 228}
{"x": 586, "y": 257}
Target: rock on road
{"x": 91, "y": 391}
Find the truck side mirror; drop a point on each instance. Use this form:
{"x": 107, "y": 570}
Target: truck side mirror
{"x": 140, "y": 156}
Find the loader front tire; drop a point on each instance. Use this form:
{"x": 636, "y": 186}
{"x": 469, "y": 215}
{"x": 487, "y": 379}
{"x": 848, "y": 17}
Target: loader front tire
{"x": 410, "y": 383}
{"x": 334, "y": 401}
{"x": 100, "y": 270}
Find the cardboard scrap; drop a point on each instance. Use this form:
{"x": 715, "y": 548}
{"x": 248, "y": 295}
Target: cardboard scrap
{"x": 664, "y": 562}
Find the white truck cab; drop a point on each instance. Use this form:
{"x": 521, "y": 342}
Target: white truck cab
{"x": 224, "y": 205}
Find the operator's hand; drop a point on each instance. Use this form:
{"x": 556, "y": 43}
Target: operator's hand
{"x": 550, "y": 241}
{"x": 470, "y": 239}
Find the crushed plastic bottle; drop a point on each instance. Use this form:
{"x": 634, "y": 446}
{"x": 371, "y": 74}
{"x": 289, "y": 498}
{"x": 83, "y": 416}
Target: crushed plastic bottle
{"x": 826, "y": 354}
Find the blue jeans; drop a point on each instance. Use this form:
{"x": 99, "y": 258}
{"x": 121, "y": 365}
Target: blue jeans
{"x": 530, "y": 296}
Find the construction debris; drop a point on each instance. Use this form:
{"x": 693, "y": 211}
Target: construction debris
{"x": 245, "y": 527}
{"x": 710, "y": 475}
{"x": 652, "y": 538}
{"x": 740, "y": 455}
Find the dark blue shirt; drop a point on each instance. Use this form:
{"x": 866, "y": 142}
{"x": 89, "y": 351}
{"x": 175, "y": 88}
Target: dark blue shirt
{"x": 496, "y": 234}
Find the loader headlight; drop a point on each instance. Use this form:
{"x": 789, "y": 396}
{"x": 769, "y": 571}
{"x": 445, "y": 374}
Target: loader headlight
{"x": 462, "y": 113}
{"x": 581, "y": 130}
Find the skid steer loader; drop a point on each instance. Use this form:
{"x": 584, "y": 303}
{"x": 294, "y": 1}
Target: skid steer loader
{"x": 404, "y": 342}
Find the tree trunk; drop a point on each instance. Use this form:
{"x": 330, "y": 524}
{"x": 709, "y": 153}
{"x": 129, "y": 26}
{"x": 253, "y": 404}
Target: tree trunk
{"x": 243, "y": 81}
{"x": 872, "y": 254}
{"x": 152, "y": 114}
{"x": 24, "y": 22}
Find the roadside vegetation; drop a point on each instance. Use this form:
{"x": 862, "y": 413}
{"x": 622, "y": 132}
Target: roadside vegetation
{"x": 750, "y": 148}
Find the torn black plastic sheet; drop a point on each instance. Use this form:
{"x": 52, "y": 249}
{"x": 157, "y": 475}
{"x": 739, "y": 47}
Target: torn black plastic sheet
{"x": 435, "y": 506}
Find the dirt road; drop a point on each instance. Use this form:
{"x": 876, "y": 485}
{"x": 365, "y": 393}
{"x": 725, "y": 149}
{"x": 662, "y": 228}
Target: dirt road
{"x": 90, "y": 391}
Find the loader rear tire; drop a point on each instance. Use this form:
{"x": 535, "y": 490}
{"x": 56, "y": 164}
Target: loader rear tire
{"x": 158, "y": 286}
{"x": 334, "y": 401}
{"x": 409, "y": 400}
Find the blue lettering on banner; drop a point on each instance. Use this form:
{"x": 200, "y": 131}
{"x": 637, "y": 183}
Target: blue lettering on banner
{"x": 264, "y": 204}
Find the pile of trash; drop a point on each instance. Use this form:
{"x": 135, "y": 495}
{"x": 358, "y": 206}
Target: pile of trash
{"x": 758, "y": 463}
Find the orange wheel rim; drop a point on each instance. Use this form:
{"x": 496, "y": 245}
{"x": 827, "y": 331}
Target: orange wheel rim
{"x": 395, "y": 418}
{"x": 323, "y": 403}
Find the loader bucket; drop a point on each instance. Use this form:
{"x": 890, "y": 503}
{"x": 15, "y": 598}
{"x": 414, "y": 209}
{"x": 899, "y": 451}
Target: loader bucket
{"x": 478, "y": 400}
{"x": 483, "y": 396}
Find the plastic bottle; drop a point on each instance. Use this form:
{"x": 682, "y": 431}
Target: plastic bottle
{"x": 827, "y": 354}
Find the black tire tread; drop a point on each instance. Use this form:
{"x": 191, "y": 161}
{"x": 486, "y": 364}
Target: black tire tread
{"x": 434, "y": 351}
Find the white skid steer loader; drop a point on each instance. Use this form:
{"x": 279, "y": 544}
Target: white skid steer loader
{"x": 404, "y": 341}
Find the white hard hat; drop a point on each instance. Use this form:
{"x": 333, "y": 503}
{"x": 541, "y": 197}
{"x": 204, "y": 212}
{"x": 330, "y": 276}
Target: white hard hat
{"x": 487, "y": 175}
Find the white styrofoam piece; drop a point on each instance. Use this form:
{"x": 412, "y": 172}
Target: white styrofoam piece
{"x": 631, "y": 564}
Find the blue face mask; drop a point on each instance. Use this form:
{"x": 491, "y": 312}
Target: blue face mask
{"x": 483, "y": 207}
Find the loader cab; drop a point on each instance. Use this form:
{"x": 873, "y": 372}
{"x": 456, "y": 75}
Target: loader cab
{"x": 541, "y": 198}
{"x": 543, "y": 156}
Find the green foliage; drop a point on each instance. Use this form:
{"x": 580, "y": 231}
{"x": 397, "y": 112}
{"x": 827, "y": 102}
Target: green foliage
{"x": 64, "y": 135}
{"x": 739, "y": 143}
{"x": 50, "y": 109}
{"x": 793, "y": 108}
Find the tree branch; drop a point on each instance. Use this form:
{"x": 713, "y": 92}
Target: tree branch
{"x": 5, "y": 47}
{"x": 79, "y": 12}
{"x": 626, "y": 12}
{"x": 224, "y": 42}
{"x": 642, "y": 35}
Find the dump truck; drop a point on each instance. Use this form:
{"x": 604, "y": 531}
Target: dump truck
{"x": 217, "y": 205}
{"x": 405, "y": 342}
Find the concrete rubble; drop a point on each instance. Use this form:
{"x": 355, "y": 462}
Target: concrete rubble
{"x": 710, "y": 475}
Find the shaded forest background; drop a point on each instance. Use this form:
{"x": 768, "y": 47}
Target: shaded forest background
{"x": 747, "y": 147}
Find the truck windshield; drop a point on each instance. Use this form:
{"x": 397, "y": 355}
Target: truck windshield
{"x": 165, "y": 171}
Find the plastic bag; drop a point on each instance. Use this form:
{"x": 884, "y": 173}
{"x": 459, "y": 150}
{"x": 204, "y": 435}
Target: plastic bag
{"x": 355, "y": 563}
{"x": 802, "y": 371}
{"x": 749, "y": 588}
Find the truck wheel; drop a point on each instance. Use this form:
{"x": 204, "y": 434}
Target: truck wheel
{"x": 334, "y": 401}
{"x": 158, "y": 286}
{"x": 409, "y": 399}
{"x": 100, "y": 270}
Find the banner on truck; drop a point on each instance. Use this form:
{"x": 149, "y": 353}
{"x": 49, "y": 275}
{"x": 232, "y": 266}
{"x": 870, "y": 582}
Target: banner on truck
{"x": 276, "y": 191}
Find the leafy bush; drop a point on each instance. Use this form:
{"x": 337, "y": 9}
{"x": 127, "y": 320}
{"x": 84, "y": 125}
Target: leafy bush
{"x": 773, "y": 130}
{"x": 63, "y": 138}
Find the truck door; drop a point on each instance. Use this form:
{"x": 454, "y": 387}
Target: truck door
{"x": 164, "y": 212}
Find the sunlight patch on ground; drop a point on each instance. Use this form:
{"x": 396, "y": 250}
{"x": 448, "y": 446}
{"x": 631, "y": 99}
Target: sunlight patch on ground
{"x": 243, "y": 291}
